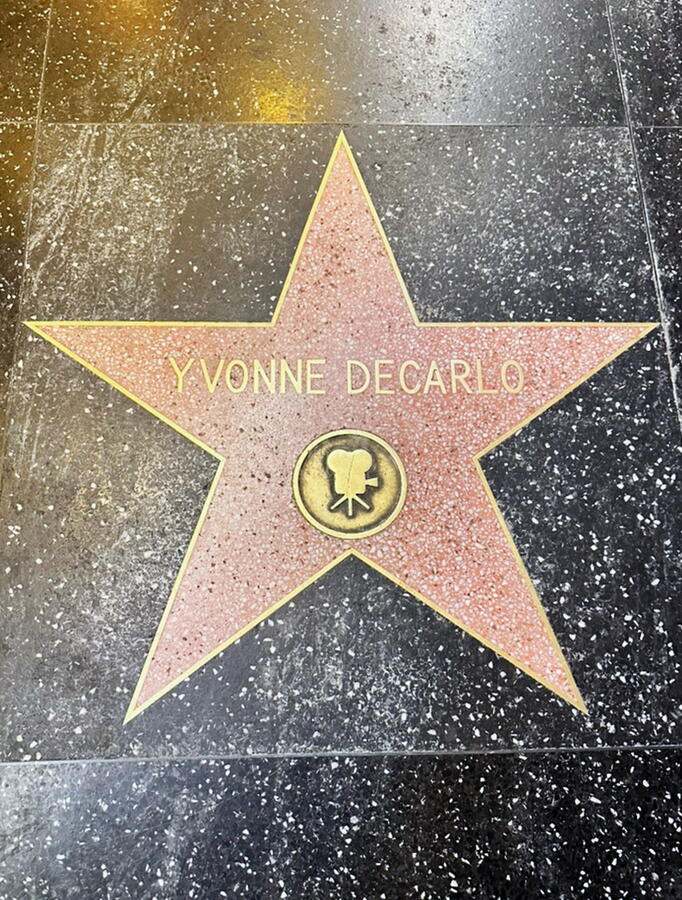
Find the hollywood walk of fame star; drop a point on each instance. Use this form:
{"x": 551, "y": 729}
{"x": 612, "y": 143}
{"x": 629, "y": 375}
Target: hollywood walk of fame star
{"x": 344, "y": 299}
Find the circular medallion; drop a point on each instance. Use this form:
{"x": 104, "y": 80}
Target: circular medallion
{"x": 349, "y": 484}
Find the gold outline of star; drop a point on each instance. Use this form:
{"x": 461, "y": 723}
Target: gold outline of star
{"x": 341, "y": 143}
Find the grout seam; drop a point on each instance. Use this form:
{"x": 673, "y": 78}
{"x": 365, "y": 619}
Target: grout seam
{"x": 333, "y": 123}
{"x": 36, "y": 120}
{"x": 663, "y": 309}
{"x": 348, "y": 755}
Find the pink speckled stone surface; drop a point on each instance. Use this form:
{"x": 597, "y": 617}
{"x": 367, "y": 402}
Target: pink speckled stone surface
{"x": 254, "y": 548}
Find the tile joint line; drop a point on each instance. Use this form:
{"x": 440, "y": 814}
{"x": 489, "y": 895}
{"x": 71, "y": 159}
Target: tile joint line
{"x": 27, "y": 230}
{"x": 348, "y": 754}
{"x": 658, "y": 288}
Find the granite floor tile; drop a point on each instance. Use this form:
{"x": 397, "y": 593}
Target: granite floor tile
{"x": 23, "y": 30}
{"x": 649, "y": 40}
{"x": 214, "y": 61}
{"x": 16, "y": 156}
{"x": 182, "y": 222}
{"x": 169, "y": 222}
{"x": 100, "y": 498}
{"x": 660, "y": 161}
{"x": 554, "y": 825}
{"x": 512, "y": 223}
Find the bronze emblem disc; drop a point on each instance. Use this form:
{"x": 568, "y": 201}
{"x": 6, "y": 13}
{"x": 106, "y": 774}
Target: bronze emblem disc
{"x": 349, "y": 484}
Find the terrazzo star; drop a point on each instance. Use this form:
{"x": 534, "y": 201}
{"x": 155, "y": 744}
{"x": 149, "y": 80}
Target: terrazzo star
{"x": 301, "y": 475}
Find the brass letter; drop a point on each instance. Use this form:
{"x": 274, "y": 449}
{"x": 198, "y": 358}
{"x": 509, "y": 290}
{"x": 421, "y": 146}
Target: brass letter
{"x": 349, "y": 376}
{"x": 479, "y": 381}
{"x": 313, "y": 376}
{"x": 211, "y": 383}
{"x": 259, "y": 373}
{"x": 228, "y": 375}
{"x": 180, "y": 373}
{"x": 401, "y": 377}
{"x": 520, "y": 377}
{"x": 380, "y": 376}
{"x": 285, "y": 372}
{"x": 455, "y": 378}
{"x": 434, "y": 379}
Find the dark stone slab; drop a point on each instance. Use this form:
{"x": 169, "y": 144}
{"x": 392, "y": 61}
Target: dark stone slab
{"x": 507, "y": 826}
{"x": 23, "y": 25}
{"x": 660, "y": 162}
{"x": 100, "y": 498}
{"x": 16, "y": 154}
{"x": 512, "y": 223}
{"x": 541, "y": 61}
{"x": 181, "y": 222}
{"x": 649, "y": 40}
{"x": 170, "y": 222}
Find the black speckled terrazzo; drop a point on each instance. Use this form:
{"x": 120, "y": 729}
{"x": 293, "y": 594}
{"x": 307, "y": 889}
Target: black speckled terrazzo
{"x": 538, "y": 61}
{"x": 548, "y": 825}
{"x": 23, "y": 26}
{"x": 649, "y": 39}
{"x": 660, "y": 156}
{"x": 157, "y": 162}
{"x": 16, "y": 155}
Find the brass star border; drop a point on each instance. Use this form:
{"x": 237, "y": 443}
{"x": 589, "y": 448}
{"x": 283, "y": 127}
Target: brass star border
{"x": 42, "y": 329}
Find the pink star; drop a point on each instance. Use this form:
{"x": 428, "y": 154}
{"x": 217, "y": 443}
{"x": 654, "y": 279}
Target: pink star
{"x": 252, "y": 550}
